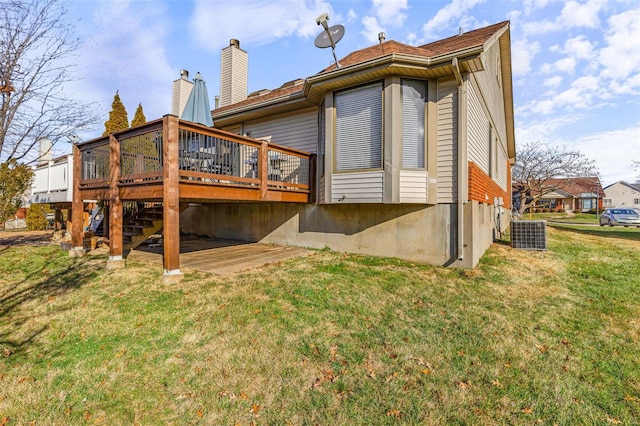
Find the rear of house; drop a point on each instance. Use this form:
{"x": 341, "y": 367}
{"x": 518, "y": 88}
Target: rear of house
{"x": 413, "y": 150}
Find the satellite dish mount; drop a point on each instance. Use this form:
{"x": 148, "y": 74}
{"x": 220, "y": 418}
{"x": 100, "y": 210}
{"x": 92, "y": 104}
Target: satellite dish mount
{"x": 330, "y": 36}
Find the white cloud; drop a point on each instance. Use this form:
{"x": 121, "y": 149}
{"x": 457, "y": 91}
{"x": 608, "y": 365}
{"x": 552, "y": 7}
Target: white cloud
{"x": 445, "y": 17}
{"x": 371, "y": 29}
{"x": 131, "y": 59}
{"x": 389, "y": 12}
{"x": 613, "y": 152}
{"x": 621, "y": 55}
{"x": 566, "y": 65}
{"x": 552, "y": 81}
{"x": 574, "y": 14}
{"x": 579, "y": 47}
{"x": 213, "y": 24}
{"x": 522, "y": 54}
{"x": 352, "y": 15}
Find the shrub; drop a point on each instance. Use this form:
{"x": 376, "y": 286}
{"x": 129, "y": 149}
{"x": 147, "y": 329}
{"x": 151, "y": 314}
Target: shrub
{"x": 37, "y": 217}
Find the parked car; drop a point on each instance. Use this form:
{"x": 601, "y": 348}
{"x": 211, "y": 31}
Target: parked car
{"x": 622, "y": 217}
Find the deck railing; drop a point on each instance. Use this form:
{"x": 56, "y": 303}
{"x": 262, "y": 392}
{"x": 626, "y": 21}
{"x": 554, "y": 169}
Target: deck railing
{"x": 206, "y": 156}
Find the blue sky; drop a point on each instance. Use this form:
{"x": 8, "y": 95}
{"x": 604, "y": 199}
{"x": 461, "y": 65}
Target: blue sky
{"x": 576, "y": 64}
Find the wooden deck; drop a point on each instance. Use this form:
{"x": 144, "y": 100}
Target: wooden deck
{"x": 177, "y": 162}
{"x": 221, "y": 257}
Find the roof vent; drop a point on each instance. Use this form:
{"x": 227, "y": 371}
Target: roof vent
{"x": 460, "y": 31}
{"x": 234, "y": 42}
{"x": 259, "y": 93}
{"x": 293, "y": 82}
{"x": 382, "y": 37}
{"x": 184, "y": 74}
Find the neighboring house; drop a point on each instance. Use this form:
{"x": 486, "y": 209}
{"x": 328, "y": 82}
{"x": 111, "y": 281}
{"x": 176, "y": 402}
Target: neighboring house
{"x": 622, "y": 194}
{"x": 402, "y": 151}
{"x": 414, "y": 146}
{"x": 573, "y": 194}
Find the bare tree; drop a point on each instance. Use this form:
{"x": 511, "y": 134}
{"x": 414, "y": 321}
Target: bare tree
{"x": 538, "y": 164}
{"x": 36, "y": 61}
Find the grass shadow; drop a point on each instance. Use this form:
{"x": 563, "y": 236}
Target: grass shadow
{"x": 39, "y": 286}
{"x": 599, "y": 231}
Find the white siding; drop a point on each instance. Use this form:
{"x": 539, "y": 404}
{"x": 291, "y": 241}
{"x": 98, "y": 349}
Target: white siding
{"x": 413, "y": 186}
{"x": 478, "y": 131}
{"x": 447, "y": 174}
{"x": 364, "y": 187}
{"x": 299, "y": 131}
{"x": 59, "y": 178}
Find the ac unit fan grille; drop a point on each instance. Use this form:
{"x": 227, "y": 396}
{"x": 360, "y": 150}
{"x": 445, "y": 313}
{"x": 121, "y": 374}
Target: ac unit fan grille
{"x": 529, "y": 234}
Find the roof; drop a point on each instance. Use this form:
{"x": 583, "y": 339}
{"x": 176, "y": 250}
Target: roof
{"x": 445, "y": 46}
{"x": 634, "y": 186}
{"x": 577, "y": 186}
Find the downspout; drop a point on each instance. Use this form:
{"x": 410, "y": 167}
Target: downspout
{"x": 460, "y": 215}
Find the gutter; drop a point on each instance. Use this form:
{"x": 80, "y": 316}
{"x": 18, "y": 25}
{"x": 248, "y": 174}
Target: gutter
{"x": 460, "y": 204}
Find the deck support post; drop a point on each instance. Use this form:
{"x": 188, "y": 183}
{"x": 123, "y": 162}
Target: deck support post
{"x": 171, "y": 200}
{"x": 77, "y": 208}
{"x": 264, "y": 169}
{"x": 116, "y": 246}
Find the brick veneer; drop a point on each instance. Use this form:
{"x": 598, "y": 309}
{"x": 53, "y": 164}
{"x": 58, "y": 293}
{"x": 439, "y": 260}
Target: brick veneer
{"x": 483, "y": 189}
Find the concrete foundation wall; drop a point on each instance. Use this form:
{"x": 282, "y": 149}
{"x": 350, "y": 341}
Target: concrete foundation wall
{"x": 417, "y": 233}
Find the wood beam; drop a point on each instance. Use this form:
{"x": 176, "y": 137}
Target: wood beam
{"x": 264, "y": 169}
{"x": 116, "y": 245}
{"x": 77, "y": 208}
{"x": 171, "y": 200}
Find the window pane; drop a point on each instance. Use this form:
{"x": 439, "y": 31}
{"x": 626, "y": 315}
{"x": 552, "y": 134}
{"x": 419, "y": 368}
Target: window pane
{"x": 359, "y": 128}
{"x": 413, "y": 104}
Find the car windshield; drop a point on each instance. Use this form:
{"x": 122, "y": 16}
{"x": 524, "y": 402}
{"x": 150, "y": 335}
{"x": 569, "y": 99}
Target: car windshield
{"x": 624, "y": 211}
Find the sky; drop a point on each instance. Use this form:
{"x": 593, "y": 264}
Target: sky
{"x": 575, "y": 64}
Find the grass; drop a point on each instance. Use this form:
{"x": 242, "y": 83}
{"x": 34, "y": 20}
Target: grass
{"x": 586, "y": 218}
{"x": 527, "y": 337}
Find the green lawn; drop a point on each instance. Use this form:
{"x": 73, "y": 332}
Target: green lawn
{"x": 528, "y": 337}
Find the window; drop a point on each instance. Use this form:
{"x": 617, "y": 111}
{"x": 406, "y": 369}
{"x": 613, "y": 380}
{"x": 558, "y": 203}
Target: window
{"x": 607, "y": 202}
{"x": 413, "y": 107}
{"x": 636, "y": 201}
{"x": 359, "y": 128}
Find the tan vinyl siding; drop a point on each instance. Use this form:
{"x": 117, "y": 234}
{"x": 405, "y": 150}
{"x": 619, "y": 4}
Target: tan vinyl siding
{"x": 413, "y": 186}
{"x": 501, "y": 178}
{"x": 237, "y": 129}
{"x": 180, "y": 95}
{"x": 490, "y": 83}
{"x": 298, "y": 131}
{"x": 447, "y": 174}
{"x": 234, "y": 64}
{"x": 478, "y": 131}
{"x": 362, "y": 187}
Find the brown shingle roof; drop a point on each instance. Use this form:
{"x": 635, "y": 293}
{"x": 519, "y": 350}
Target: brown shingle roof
{"x": 577, "y": 186}
{"x": 456, "y": 43}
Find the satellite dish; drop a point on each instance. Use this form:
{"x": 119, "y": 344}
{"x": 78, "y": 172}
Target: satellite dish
{"x": 323, "y": 40}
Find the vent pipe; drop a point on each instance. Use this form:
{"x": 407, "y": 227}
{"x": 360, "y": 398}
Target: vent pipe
{"x": 382, "y": 37}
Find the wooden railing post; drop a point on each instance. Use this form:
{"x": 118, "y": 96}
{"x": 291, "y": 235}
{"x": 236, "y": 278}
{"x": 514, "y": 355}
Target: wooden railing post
{"x": 264, "y": 169}
{"x": 77, "y": 208}
{"x": 171, "y": 200}
{"x": 116, "y": 246}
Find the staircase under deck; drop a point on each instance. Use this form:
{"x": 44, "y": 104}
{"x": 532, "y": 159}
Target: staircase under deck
{"x": 177, "y": 162}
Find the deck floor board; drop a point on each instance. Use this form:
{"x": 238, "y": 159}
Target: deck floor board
{"x": 221, "y": 257}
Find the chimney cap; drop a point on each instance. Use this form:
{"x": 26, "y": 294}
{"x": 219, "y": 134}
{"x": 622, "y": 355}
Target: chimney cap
{"x": 381, "y": 37}
{"x": 184, "y": 74}
{"x": 234, "y": 42}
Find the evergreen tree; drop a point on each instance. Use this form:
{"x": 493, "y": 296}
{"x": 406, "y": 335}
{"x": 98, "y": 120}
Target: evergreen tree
{"x": 118, "y": 118}
{"x": 138, "y": 117}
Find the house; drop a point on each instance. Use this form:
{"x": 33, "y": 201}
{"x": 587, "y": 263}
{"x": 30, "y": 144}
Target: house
{"x": 401, "y": 151}
{"x": 573, "y": 194}
{"x": 622, "y": 194}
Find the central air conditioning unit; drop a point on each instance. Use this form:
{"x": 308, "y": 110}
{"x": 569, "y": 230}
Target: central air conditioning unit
{"x": 529, "y": 234}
